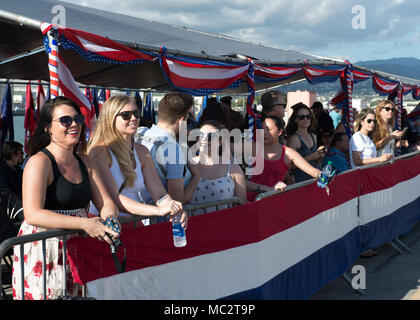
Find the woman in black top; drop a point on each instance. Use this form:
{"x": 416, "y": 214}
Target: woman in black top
{"x": 300, "y": 138}
{"x": 59, "y": 181}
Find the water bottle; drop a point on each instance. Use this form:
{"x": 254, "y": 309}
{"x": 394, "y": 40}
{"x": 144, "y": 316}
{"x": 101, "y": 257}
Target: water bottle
{"x": 325, "y": 175}
{"x": 180, "y": 239}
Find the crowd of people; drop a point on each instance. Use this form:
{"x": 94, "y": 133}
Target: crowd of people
{"x": 71, "y": 183}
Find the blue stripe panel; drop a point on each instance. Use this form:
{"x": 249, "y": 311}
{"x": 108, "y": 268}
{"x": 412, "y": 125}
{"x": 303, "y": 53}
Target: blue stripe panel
{"x": 382, "y": 230}
{"x": 306, "y": 277}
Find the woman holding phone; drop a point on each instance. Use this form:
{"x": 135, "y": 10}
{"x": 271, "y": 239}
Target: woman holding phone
{"x": 300, "y": 137}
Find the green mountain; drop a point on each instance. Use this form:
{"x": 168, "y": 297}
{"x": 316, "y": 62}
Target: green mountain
{"x": 405, "y": 67}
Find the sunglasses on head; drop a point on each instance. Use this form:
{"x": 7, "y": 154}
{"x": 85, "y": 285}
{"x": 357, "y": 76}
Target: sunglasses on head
{"x": 66, "y": 121}
{"x": 126, "y": 115}
{"x": 370, "y": 120}
{"x": 303, "y": 116}
{"x": 388, "y": 109}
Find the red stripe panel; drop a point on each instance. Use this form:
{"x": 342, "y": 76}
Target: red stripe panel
{"x": 124, "y": 54}
{"x": 212, "y": 232}
{"x": 215, "y": 84}
{"x": 198, "y": 65}
{"x": 380, "y": 178}
{"x": 184, "y": 82}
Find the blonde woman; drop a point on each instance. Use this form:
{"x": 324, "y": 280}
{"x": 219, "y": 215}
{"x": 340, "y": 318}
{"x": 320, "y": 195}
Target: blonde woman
{"x": 126, "y": 167}
{"x": 385, "y": 139}
{"x": 362, "y": 149}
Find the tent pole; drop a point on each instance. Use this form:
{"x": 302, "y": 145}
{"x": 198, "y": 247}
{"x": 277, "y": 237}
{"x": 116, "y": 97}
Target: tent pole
{"x": 21, "y": 20}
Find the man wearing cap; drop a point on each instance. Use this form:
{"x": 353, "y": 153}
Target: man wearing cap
{"x": 273, "y": 103}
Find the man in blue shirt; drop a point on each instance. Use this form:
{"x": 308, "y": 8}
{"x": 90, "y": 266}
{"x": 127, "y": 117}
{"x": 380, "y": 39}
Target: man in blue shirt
{"x": 170, "y": 158}
{"x": 338, "y": 152}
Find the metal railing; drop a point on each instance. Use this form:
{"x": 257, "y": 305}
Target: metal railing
{"x": 20, "y": 241}
{"x": 307, "y": 182}
{"x": 205, "y": 206}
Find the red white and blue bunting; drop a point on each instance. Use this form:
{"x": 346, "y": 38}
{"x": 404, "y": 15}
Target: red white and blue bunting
{"x": 201, "y": 77}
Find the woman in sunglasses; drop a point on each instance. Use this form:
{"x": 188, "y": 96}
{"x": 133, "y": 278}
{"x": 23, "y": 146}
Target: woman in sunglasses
{"x": 384, "y": 137}
{"x": 127, "y": 167}
{"x": 59, "y": 182}
{"x": 362, "y": 149}
{"x": 220, "y": 177}
{"x": 300, "y": 137}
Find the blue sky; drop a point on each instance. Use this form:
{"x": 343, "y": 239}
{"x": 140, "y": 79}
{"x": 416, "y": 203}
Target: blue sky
{"x": 350, "y": 29}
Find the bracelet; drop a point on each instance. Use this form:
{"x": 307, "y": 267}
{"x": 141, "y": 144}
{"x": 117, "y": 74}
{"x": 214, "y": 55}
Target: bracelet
{"x": 162, "y": 198}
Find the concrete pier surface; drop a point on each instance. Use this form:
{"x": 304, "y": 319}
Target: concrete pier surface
{"x": 391, "y": 275}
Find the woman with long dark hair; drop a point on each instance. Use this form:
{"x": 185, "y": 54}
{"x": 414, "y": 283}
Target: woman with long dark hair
{"x": 300, "y": 137}
{"x": 275, "y": 161}
{"x": 59, "y": 181}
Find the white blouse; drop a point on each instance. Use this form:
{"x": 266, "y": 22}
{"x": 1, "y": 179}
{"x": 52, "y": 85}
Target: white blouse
{"x": 360, "y": 142}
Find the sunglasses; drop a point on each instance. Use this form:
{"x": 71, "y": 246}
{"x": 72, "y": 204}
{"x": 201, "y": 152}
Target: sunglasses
{"x": 67, "y": 121}
{"x": 388, "y": 109}
{"x": 126, "y": 115}
{"x": 370, "y": 120}
{"x": 303, "y": 116}
{"x": 327, "y": 135}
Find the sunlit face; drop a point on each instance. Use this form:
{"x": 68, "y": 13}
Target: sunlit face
{"x": 61, "y": 134}
{"x": 209, "y": 139}
{"x": 127, "y": 120}
{"x": 387, "y": 112}
{"x": 369, "y": 122}
{"x": 271, "y": 132}
{"x": 303, "y": 118}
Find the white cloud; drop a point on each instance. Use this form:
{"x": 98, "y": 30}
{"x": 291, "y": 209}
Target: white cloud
{"x": 391, "y": 27}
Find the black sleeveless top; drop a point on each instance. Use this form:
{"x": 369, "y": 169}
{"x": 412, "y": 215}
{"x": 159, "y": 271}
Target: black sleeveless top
{"x": 64, "y": 195}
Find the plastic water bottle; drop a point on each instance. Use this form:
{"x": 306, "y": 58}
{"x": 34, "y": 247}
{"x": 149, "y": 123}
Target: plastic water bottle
{"x": 325, "y": 175}
{"x": 180, "y": 239}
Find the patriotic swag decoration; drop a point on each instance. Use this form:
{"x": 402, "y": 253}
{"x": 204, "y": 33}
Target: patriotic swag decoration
{"x": 61, "y": 77}
{"x": 201, "y": 77}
